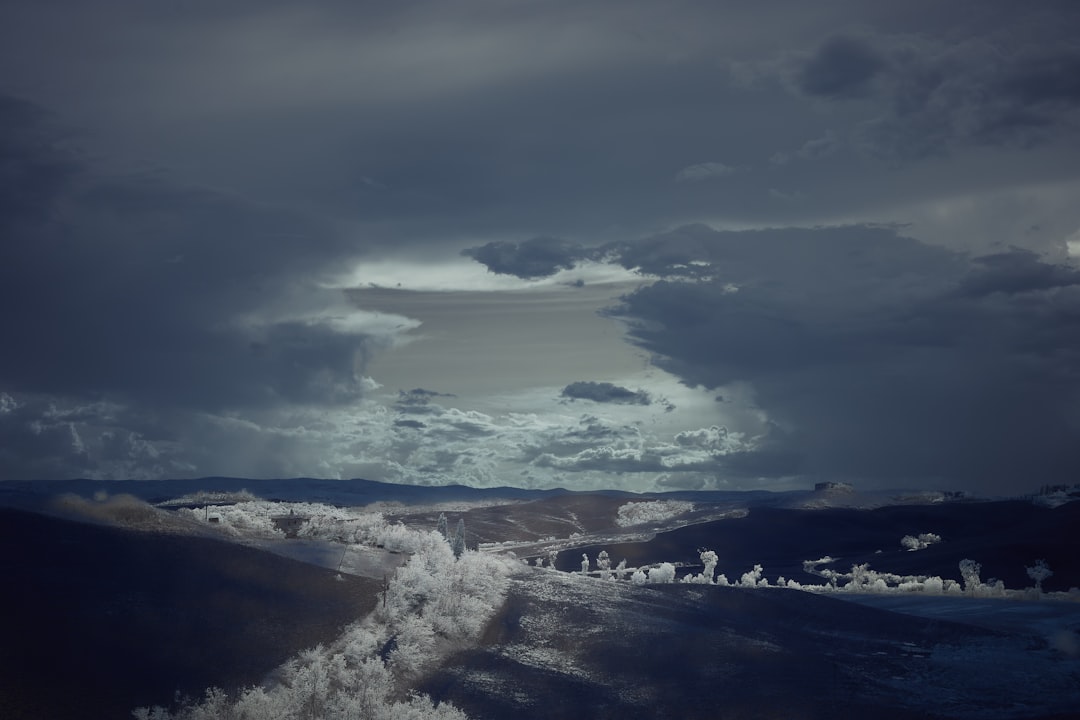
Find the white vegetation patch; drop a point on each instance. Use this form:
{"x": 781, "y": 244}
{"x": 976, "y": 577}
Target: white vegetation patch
{"x": 754, "y": 578}
{"x": 547, "y": 658}
{"x": 653, "y": 511}
{"x": 254, "y": 519}
{"x": 912, "y": 543}
{"x": 436, "y": 603}
{"x": 662, "y": 574}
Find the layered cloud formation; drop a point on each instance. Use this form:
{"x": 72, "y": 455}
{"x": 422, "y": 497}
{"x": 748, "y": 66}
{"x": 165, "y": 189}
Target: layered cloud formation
{"x": 587, "y": 244}
{"x": 873, "y": 355}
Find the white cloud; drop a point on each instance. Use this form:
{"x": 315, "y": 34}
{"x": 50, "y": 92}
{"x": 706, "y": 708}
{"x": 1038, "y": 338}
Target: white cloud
{"x": 458, "y": 274}
{"x": 1072, "y": 245}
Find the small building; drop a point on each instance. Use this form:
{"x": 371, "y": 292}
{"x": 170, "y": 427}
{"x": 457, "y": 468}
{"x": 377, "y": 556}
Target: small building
{"x": 289, "y": 524}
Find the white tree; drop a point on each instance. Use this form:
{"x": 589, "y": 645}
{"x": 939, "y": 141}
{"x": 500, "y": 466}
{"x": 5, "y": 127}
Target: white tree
{"x": 432, "y": 598}
{"x": 754, "y": 578}
{"x": 459, "y": 538}
{"x": 861, "y": 575}
{"x": 709, "y": 559}
{"x": 923, "y": 541}
{"x": 584, "y": 563}
{"x": 415, "y": 642}
{"x": 1039, "y": 572}
{"x": 665, "y": 573}
{"x": 969, "y": 573}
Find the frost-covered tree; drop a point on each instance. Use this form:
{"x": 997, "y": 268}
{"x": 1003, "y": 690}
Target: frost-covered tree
{"x": 458, "y": 544}
{"x": 443, "y": 528}
{"x": 584, "y": 563}
{"x": 861, "y": 575}
{"x": 433, "y": 602}
{"x": 920, "y": 542}
{"x": 620, "y": 570}
{"x": 753, "y": 578}
{"x": 552, "y": 555}
{"x": 1039, "y": 572}
{"x": 603, "y": 563}
{"x": 665, "y": 573}
{"x": 709, "y": 560}
{"x": 969, "y": 573}
{"x": 415, "y": 643}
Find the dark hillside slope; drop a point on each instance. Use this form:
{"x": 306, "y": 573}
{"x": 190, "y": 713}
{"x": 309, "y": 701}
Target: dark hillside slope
{"x": 573, "y": 647}
{"x": 97, "y": 620}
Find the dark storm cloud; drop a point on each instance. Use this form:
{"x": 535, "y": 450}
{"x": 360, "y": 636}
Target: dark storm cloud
{"x": 842, "y": 67}
{"x": 35, "y": 166}
{"x": 44, "y": 437}
{"x": 877, "y": 357}
{"x": 153, "y": 297}
{"x": 147, "y": 292}
{"x": 1017, "y": 271}
{"x": 419, "y": 401}
{"x": 929, "y": 97}
{"x": 459, "y": 429}
{"x": 1046, "y": 78}
{"x": 337, "y": 128}
{"x": 442, "y": 424}
{"x": 413, "y": 424}
{"x": 556, "y": 119}
{"x": 678, "y": 253}
{"x": 535, "y": 258}
{"x": 605, "y": 392}
{"x": 31, "y": 448}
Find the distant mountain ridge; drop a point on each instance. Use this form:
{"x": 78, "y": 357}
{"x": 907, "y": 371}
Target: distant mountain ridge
{"x": 356, "y": 491}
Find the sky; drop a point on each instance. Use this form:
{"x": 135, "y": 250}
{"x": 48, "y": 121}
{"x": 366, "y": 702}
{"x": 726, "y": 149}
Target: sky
{"x": 591, "y": 244}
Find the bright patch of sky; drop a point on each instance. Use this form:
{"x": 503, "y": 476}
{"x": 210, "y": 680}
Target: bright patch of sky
{"x": 459, "y": 274}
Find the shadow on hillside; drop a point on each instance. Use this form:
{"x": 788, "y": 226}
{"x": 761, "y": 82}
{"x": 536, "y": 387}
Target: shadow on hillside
{"x": 101, "y": 620}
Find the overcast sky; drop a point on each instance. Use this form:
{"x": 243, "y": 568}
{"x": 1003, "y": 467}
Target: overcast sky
{"x": 589, "y": 244}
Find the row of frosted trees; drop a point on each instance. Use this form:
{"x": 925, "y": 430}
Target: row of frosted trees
{"x": 860, "y": 579}
{"x": 439, "y": 601}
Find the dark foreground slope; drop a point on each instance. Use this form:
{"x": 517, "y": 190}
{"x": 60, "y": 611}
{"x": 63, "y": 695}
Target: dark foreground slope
{"x": 573, "y": 647}
{"x": 98, "y": 620}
